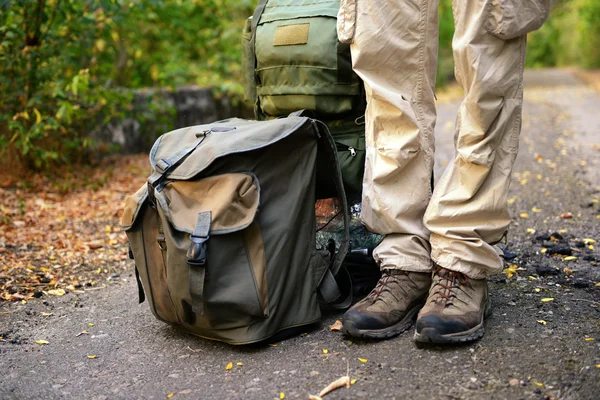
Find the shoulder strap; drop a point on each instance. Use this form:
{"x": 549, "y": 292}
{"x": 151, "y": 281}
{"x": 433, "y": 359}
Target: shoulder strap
{"x": 258, "y": 11}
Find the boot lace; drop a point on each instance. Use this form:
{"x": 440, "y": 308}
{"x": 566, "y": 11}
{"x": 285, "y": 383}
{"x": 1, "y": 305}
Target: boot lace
{"x": 383, "y": 287}
{"x": 447, "y": 284}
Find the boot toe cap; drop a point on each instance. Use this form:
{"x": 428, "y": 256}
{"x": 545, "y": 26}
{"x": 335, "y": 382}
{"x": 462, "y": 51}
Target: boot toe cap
{"x": 443, "y": 326}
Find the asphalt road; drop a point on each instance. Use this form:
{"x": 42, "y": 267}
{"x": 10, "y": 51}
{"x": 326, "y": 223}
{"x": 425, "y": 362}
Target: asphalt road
{"x": 531, "y": 350}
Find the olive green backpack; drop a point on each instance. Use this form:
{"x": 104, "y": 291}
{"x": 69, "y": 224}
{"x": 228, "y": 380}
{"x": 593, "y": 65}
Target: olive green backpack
{"x": 293, "y": 60}
{"x": 223, "y": 233}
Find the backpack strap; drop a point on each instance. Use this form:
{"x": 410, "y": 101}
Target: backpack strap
{"x": 197, "y": 260}
{"x": 258, "y": 11}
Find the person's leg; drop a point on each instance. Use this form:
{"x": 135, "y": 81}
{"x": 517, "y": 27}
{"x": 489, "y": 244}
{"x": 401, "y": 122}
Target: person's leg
{"x": 394, "y": 51}
{"x": 468, "y": 211}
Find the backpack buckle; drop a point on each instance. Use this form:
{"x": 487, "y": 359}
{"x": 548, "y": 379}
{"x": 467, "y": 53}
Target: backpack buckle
{"x": 196, "y": 254}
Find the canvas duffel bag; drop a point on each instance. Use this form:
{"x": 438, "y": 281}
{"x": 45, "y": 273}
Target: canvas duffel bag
{"x": 223, "y": 233}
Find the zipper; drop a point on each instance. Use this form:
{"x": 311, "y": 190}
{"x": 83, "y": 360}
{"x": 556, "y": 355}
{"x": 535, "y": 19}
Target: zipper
{"x": 344, "y": 147}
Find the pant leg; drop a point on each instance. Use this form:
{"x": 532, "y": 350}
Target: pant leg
{"x": 468, "y": 211}
{"x": 394, "y": 51}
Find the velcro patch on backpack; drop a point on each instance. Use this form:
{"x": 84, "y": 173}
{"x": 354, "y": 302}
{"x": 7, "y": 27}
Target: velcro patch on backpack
{"x": 287, "y": 35}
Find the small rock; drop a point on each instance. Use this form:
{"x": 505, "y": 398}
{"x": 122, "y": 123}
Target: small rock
{"x": 581, "y": 284}
{"x": 513, "y": 382}
{"x": 548, "y": 243}
{"x": 556, "y": 236}
{"x": 589, "y": 258}
{"x": 38, "y": 294}
{"x": 508, "y": 255}
{"x": 561, "y": 249}
{"x": 314, "y": 373}
{"x": 579, "y": 245}
{"x": 542, "y": 238}
{"x": 114, "y": 276}
{"x": 512, "y": 303}
{"x": 545, "y": 270}
{"x": 510, "y": 330}
{"x": 537, "y": 391}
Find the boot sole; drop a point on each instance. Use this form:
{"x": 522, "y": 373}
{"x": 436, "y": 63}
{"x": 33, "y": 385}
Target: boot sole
{"x": 348, "y": 327}
{"x": 432, "y": 335}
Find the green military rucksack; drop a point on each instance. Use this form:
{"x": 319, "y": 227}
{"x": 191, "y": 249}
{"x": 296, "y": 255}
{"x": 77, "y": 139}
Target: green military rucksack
{"x": 224, "y": 232}
{"x": 293, "y": 60}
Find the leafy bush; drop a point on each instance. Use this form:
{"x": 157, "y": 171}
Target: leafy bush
{"x": 68, "y": 65}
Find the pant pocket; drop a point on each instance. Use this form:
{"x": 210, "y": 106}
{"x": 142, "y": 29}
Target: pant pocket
{"x": 346, "y": 21}
{"x": 508, "y": 19}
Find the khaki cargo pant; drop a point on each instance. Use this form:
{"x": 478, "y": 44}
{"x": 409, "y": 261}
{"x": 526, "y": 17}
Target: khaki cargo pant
{"x": 394, "y": 50}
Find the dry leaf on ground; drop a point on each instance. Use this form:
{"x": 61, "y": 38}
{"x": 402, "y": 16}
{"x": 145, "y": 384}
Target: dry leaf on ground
{"x": 337, "y": 325}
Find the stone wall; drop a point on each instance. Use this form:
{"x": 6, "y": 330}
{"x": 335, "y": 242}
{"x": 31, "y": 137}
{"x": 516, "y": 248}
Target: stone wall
{"x": 156, "y": 112}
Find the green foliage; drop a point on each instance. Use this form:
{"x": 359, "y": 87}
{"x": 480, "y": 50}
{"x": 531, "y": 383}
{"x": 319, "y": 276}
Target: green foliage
{"x": 571, "y": 36}
{"x": 68, "y": 65}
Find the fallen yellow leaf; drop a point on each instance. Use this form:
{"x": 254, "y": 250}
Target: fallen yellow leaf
{"x": 589, "y": 339}
{"x": 56, "y": 292}
{"x": 538, "y": 384}
{"x": 591, "y": 247}
{"x": 92, "y": 356}
{"x": 541, "y": 321}
{"x": 229, "y": 366}
{"x": 524, "y": 215}
{"x": 353, "y": 381}
{"x": 325, "y": 351}
{"x": 363, "y": 360}
{"x": 537, "y": 290}
{"x": 170, "y": 395}
{"x": 239, "y": 364}
{"x": 547, "y": 299}
{"x": 337, "y": 325}
{"x": 588, "y": 241}
{"x": 530, "y": 230}
{"x": 272, "y": 345}
{"x": 544, "y": 250}
{"x": 597, "y": 284}
{"x": 41, "y": 341}
{"x": 91, "y": 324}
{"x": 570, "y": 258}
{"x": 46, "y": 314}
{"x": 282, "y": 395}
{"x": 568, "y": 271}
{"x": 511, "y": 200}
{"x": 536, "y": 210}
{"x": 597, "y": 365}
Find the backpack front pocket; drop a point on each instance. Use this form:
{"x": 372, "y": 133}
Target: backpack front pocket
{"x": 216, "y": 264}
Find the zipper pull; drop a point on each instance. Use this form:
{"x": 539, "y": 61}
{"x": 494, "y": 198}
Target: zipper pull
{"x": 352, "y": 151}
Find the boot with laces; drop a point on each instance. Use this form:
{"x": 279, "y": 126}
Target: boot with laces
{"x": 454, "y": 310}
{"x": 390, "y": 308}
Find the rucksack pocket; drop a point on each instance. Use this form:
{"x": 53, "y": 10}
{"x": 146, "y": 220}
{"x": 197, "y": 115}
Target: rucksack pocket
{"x": 212, "y": 260}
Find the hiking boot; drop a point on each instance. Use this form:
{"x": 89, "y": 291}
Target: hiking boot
{"x": 455, "y": 309}
{"x": 390, "y": 308}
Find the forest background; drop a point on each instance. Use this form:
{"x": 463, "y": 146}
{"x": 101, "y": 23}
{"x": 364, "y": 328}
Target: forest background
{"x": 70, "y": 66}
